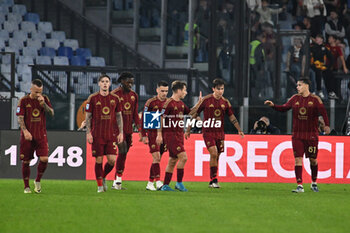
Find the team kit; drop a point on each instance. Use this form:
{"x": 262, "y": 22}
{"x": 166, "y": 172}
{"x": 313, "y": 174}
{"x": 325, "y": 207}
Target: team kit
{"x": 163, "y": 125}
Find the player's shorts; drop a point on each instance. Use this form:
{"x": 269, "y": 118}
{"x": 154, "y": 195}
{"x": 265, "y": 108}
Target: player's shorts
{"x": 212, "y": 141}
{"x": 153, "y": 146}
{"x": 27, "y": 148}
{"x": 101, "y": 147}
{"x": 174, "y": 143}
{"x": 309, "y": 147}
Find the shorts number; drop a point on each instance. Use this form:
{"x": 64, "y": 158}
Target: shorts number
{"x": 115, "y": 145}
{"x": 312, "y": 149}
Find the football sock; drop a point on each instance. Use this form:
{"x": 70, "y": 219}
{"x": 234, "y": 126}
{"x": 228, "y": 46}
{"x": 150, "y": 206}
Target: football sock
{"x": 151, "y": 173}
{"x": 180, "y": 174}
{"x": 41, "y": 169}
{"x": 298, "y": 174}
{"x": 108, "y": 168}
{"x": 98, "y": 173}
{"x": 156, "y": 171}
{"x": 213, "y": 172}
{"x": 314, "y": 171}
{"x": 120, "y": 164}
{"x": 25, "y": 174}
{"x": 167, "y": 178}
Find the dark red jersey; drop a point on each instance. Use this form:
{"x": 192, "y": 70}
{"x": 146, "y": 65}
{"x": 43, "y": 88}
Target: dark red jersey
{"x": 305, "y": 115}
{"x": 34, "y": 115}
{"x": 103, "y": 109}
{"x": 152, "y": 105}
{"x": 129, "y": 102}
{"x": 173, "y": 114}
{"x": 336, "y": 52}
{"x": 214, "y": 109}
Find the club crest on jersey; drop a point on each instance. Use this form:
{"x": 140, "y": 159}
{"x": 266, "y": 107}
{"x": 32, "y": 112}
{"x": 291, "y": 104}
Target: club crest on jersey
{"x": 132, "y": 98}
{"x": 310, "y": 103}
{"x": 98, "y": 103}
{"x": 302, "y": 111}
{"x": 36, "y": 112}
{"x": 105, "y": 110}
{"x": 127, "y": 106}
{"x": 217, "y": 112}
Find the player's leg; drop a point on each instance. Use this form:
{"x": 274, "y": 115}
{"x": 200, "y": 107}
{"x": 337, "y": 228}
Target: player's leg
{"x": 298, "y": 150}
{"x": 180, "y": 171}
{"x": 154, "y": 171}
{"x": 42, "y": 151}
{"x": 111, "y": 151}
{"x": 169, "y": 173}
{"x": 99, "y": 173}
{"x": 311, "y": 153}
{"x": 26, "y": 155}
{"x": 214, "y": 158}
{"x": 120, "y": 165}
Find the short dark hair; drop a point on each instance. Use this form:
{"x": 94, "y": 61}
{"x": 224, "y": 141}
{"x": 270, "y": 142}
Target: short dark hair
{"x": 178, "y": 85}
{"x": 37, "y": 82}
{"x": 218, "y": 82}
{"x": 306, "y": 81}
{"x": 104, "y": 76}
{"x": 319, "y": 36}
{"x": 162, "y": 83}
{"x": 125, "y": 75}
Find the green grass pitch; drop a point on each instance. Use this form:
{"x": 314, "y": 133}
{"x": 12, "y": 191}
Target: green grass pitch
{"x": 74, "y": 206}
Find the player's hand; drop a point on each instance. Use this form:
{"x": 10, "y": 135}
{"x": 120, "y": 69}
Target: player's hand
{"x": 200, "y": 96}
{"x": 241, "y": 133}
{"x": 140, "y": 137}
{"x": 145, "y": 140}
{"x": 41, "y": 100}
{"x": 27, "y": 135}
{"x": 159, "y": 140}
{"x": 327, "y": 130}
{"x": 187, "y": 135}
{"x": 120, "y": 138}
{"x": 89, "y": 138}
{"x": 269, "y": 103}
{"x": 346, "y": 70}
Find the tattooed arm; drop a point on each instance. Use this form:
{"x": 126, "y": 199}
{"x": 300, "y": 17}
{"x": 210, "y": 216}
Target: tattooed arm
{"x": 88, "y": 118}
{"x": 46, "y": 107}
{"x": 26, "y": 133}
{"x": 234, "y": 121}
{"x": 120, "y": 127}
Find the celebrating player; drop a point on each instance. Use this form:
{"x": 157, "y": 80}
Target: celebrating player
{"x": 173, "y": 111}
{"x": 31, "y": 112}
{"x": 103, "y": 111}
{"x": 155, "y": 104}
{"x": 129, "y": 102}
{"x": 306, "y": 108}
{"x": 215, "y": 106}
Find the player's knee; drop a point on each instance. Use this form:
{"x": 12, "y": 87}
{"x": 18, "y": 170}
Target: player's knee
{"x": 99, "y": 159}
{"x": 214, "y": 156}
{"x": 313, "y": 162}
{"x": 156, "y": 160}
{"x": 44, "y": 159}
{"x": 298, "y": 161}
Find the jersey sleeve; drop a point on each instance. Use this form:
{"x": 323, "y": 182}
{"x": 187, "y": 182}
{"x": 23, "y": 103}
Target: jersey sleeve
{"x": 136, "y": 114}
{"x": 89, "y": 105}
{"x": 20, "y": 108}
{"x": 229, "y": 110}
{"x": 47, "y": 101}
{"x": 186, "y": 109}
{"x": 145, "y": 109}
{"x": 285, "y": 107}
{"x": 322, "y": 110}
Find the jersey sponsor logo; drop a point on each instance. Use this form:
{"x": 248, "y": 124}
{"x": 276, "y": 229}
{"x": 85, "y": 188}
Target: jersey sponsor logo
{"x": 28, "y": 106}
{"x": 87, "y": 106}
{"x": 98, "y": 103}
{"x": 151, "y": 120}
{"x": 132, "y": 98}
{"x": 105, "y": 110}
{"x": 36, "y": 112}
{"x": 18, "y": 109}
{"x": 302, "y": 111}
{"x": 217, "y": 112}
{"x": 127, "y": 106}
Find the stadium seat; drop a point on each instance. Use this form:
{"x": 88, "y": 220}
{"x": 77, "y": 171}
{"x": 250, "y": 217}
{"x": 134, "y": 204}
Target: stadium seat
{"x": 16, "y": 44}
{"x": 45, "y": 51}
{"x": 43, "y": 60}
{"x": 30, "y": 51}
{"x": 6, "y": 68}
{"x": 25, "y": 86}
{"x": 7, "y": 2}
{"x": 6, "y": 59}
{"x": 97, "y": 61}
{"x": 10, "y": 26}
{"x": 83, "y": 52}
{"x": 59, "y": 35}
{"x": 26, "y": 60}
{"x": 20, "y": 35}
{"x": 28, "y": 27}
{"x": 74, "y": 44}
{"x": 2, "y": 17}
{"x": 45, "y": 27}
{"x": 14, "y": 50}
{"x": 4, "y": 34}
{"x": 61, "y": 61}
{"x": 2, "y": 43}
{"x": 37, "y": 44}
{"x": 19, "y": 9}
{"x": 52, "y": 43}
{"x": 32, "y": 17}
{"x": 23, "y": 69}
{"x": 16, "y": 18}
{"x": 65, "y": 51}
{"x": 4, "y": 9}
{"x": 78, "y": 61}
{"x": 38, "y": 35}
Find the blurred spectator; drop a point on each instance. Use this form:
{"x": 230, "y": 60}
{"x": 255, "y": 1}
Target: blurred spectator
{"x": 307, "y": 26}
{"x": 195, "y": 37}
{"x": 316, "y": 11}
{"x": 321, "y": 126}
{"x": 263, "y": 126}
{"x": 346, "y": 20}
{"x": 257, "y": 66}
{"x": 253, "y": 4}
{"x": 266, "y": 12}
{"x": 203, "y": 20}
{"x": 120, "y": 5}
{"x": 321, "y": 62}
{"x": 334, "y": 26}
{"x": 332, "y": 5}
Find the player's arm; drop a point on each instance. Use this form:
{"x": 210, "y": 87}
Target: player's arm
{"x": 322, "y": 110}
{"x": 234, "y": 121}
{"x": 44, "y": 102}
{"x": 119, "y": 117}
{"x": 281, "y": 108}
{"x": 27, "y": 135}
{"x": 88, "y": 118}
{"x": 197, "y": 108}
{"x": 143, "y": 131}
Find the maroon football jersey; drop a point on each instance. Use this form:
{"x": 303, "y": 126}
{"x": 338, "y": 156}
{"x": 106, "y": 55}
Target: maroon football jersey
{"x": 103, "y": 109}
{"x": 173, "y": 112}
{"x": 305, "y": 115}
{"x": 152, "y": 105}
{"x": 214, "y": 109}
{"x": 34, "y": 115}
{"x": 129, "y": 103}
